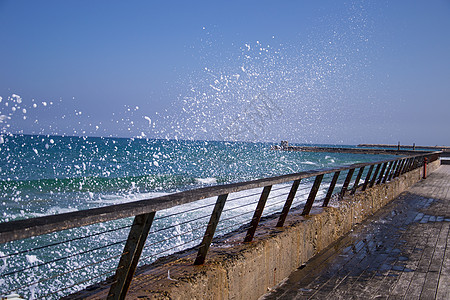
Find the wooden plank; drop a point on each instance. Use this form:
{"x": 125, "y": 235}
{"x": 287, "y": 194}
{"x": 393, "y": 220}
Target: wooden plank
{"x": 443, "y": 290}
{"x": 430, "y": 285}
{"x": 416, "y": 285}
{"x": 402, "y": 284}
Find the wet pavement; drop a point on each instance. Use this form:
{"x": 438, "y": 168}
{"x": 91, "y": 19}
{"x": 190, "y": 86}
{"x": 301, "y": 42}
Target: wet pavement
{"x": 402, "y": 252}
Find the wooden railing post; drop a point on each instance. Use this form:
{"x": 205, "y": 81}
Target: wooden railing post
{"x": 415, "y": 163}
{"x": 346, "y": 182}
{"x": 331, "y": 189}
{"x": 382, "y": 173}
{"x": 258, "y": 213}
{"x": 425, "y": 162}
{"x": 399, "y": 168}
{"x": 312, "y": 195}
{"x": 367, "y": 180}
{"x": 408, "y": 167}
{"x": 210, "y": 230}
{"x": 358, "y": 177}
{"x": 405, "y": 166}
{"x": 388, "y": 172}
{"x": 287, "y": 205}
{"x": 375, "y": 175}
{"x": 391, "y": 174}
{"x": 130, "y": 257}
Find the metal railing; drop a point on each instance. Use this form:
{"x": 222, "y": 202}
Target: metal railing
{"x": 48, "y": 251}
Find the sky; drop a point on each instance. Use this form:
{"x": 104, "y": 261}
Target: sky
{"x": 327, "y": 72}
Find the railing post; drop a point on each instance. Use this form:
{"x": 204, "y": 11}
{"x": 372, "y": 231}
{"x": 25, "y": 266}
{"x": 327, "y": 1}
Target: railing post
{"x": 346, "y": 182}
{"x": 367, "y": 180}
{"x": 405, "y": 168}
{"x": 395, "y": 170}
{"x": 358, "y": 177}
{"x": 411, "y": 164}
{"x": 382, "y": 173}
{"x": 130, "y": 257}
{"x": 405, "y": 163}
{"x": 287, "y": 205}
{"x": 408, "y": 165}
{"x": 416, "y": 163}
{"x": 210, "y": 229}
{"x": 400, "y": 166}
{"x": 375, "y": 175}
{"x": 391, "y": 174}
{"x": 425, "y": 161}
{"x": 388, "y": 172}
{"x": 312, "y": 195}
{"x": 331, "y": 189}
{"x": 257, "y": 215}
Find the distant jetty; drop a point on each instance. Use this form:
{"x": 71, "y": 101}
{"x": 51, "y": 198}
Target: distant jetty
{"x": 284, "y": 145}
{"x": 437, "y": 148}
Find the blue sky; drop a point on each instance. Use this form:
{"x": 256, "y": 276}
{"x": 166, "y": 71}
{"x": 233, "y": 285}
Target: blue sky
{"x": 307, "y": 71}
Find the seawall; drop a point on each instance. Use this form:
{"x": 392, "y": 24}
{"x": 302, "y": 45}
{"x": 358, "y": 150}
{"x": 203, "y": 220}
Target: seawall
{"x": 237, "y": 270}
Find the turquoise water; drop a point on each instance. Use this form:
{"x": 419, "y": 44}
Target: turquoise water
{"x": 44, "y": 175}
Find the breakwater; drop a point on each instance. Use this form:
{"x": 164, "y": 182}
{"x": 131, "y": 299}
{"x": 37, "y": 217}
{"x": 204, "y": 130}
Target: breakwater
{"x": 318, "y": 187}
{"x": 433, "y": 148}
{"x": 346, "y": 150}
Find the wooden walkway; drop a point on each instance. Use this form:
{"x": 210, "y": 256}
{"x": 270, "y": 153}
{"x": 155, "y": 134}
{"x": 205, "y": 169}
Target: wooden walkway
{"x": 402, "y": 252}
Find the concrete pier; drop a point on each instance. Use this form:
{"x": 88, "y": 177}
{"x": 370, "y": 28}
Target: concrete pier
{"x": 247, "y": 270}
{"x": 401, "y": 252}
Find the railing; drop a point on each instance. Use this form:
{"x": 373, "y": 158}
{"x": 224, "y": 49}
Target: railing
{"x": 58, "y": 255}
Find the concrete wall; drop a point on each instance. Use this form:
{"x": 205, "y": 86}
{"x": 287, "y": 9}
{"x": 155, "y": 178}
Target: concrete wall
{"x": 236, "y": 270}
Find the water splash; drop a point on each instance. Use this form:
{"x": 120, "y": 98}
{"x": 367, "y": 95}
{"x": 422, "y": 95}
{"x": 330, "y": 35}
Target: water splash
{"x": 272, "y": 90}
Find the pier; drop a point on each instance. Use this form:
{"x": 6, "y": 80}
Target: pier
{"x": 283, "y": 223}
{"x": 346, "y": 150}
{"x": 433, "y": 148}
{"x": 367, "y": 149}
{"x": 401, "y": 252}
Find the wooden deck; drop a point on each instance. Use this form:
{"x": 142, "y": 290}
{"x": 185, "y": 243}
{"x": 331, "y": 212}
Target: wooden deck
{"x": 402, "y": 252}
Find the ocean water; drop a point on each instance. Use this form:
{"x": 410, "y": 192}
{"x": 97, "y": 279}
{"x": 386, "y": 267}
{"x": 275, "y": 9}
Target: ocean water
{"x": 45, "y": 175}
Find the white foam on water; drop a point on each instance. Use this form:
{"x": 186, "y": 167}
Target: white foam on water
{"x": 208, "y": 180}
{"x": 4, "y": 260}
{"x": 32, "y": 259}
{"x": 54, "y": 210}
{"x": 309, "y": 163}
{"x": 111, "y": 199}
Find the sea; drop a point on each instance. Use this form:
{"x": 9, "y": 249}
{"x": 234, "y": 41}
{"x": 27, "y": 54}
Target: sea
{"x": 46, "y": 175}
